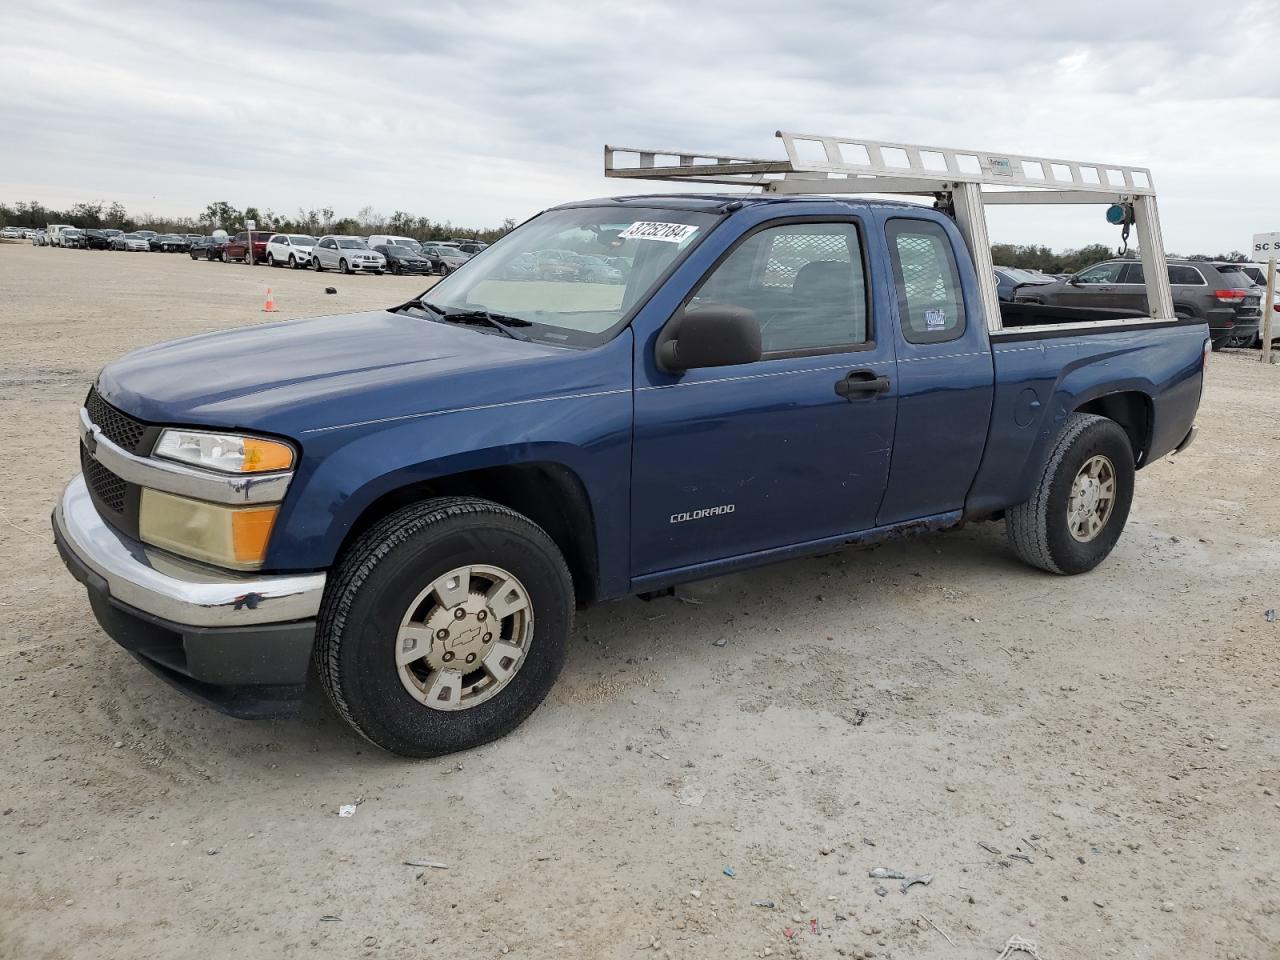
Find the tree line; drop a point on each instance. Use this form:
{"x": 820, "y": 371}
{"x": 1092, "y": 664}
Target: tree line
{"x": 221, "y": 215}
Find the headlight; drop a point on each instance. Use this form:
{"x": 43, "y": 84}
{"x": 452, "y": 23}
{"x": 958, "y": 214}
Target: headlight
{"x": 234, "y": 537}
{"x": 224, "y": 452}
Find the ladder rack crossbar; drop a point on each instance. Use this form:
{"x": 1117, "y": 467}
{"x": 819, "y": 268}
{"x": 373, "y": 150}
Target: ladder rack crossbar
{"x": 815, "y": 158}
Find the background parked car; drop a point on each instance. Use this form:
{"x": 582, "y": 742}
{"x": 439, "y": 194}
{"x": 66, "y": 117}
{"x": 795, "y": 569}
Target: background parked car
{"x": 71, "y": 238}
{"x": 131, "y": 242}
{"x": 1009, "y": 279}
{"x": 1257, "y": 272}
{"x": 111, "y": 233}
{"x": 347, "y": 254}
{"x": 290, "y": 249}
{"x": 237, "y": 248}
{"x": 403, "y": 259}
{"x": 444, "y": 258}
{"x": 54, "y": 233}
{"x": 92, "y": 239}
{"x": 39, "y": 239}
{"x": 594, "y": 269}
{"x": 1228, "y": 301}
{"x": 202, "y": 249}
{"x": 171, "y": 243}
{"x": 11, "y": 233}
{"x": 381, "y": 239}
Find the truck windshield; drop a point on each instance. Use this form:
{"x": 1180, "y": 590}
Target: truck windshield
{"x": 546, "y": 272}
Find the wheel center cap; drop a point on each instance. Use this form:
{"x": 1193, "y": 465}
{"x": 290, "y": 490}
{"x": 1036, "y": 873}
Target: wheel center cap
{"x": 461, "y": 634}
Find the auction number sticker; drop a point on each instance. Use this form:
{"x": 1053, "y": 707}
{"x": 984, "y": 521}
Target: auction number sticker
{"x": 666, "y": 232}
{"x": 935, "y": 319}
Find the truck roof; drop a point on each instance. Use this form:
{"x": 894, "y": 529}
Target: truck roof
{"x": 710, "y": 202}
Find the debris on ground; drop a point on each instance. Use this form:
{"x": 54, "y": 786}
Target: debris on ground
{"x": 1017, "y": 944}
{"x": 719, "y": 641}
{"x": 1020, "y": 856}
{"x": 881, "y": 892}
{"x": 691, "y": 795}
{"x": 989, "y": 848}
{"x": 330, "y": 289}
{"x": 924, "y": 880}
{"x": 347, "y": 810}
{"x": 433, "y": 864}
{"x": 730, "y": 872}
{"x": 868, "y": 841}
{"x": 938, "y": 928}
{"x": 1271, "y": 616}
{"x": 692, "y": 601}
{"x": 330, "y": 918}
{"x": 885, "y": 873}
{"x": 767, "y": 904}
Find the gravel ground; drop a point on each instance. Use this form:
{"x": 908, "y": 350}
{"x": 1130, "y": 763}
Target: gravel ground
{"x": 1113, "y": 736}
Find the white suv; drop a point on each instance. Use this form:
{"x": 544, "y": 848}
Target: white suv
{"x": 290, "y": 249}
{"x": 348, "y": 254}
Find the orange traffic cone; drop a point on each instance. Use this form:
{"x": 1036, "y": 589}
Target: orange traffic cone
{"x": 270, "y": 305}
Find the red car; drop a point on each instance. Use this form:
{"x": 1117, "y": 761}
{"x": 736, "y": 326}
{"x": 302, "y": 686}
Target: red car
{"x": 237, "y": 248}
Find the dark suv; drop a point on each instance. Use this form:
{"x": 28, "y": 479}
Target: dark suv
{"x": 95, "y": 240}
{"x": 1225, "y": 299}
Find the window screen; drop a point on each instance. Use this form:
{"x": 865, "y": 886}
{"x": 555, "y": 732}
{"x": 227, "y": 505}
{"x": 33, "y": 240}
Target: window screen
{"x": 804, "y": 283}
{"x": 930, "y": 301}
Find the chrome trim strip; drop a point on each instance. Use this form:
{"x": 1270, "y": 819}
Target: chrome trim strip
{"x": 178, "y": 478}
{"x": 166, "y": 587}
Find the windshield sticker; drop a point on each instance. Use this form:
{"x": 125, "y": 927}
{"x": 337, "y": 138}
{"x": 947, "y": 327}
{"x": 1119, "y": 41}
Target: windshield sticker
{"x": 935, "y": 319}
{"x": 666, "y": 232}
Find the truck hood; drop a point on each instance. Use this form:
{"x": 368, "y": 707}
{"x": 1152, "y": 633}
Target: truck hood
{"x": 321, "y": 373}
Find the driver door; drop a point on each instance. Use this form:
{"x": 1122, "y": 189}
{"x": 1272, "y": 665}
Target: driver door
{"x": 729, "y": 461}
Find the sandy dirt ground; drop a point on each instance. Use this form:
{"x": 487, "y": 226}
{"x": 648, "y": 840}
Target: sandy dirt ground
{"x": 1112, "y": 736}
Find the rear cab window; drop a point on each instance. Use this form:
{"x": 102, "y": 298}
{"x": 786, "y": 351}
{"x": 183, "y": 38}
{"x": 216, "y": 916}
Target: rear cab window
{"x": 926, "y": 280}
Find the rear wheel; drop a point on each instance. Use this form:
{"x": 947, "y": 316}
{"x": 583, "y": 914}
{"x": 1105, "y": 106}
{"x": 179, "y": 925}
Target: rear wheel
{"x": 1081, "y": 503}
{"x": 444, "y": 626}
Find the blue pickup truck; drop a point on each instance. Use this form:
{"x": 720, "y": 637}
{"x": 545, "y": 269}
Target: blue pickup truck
{"x": 416, "y": 500}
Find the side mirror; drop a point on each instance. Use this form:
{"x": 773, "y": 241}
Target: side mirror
{"x": 711, "y": 337}
{"x": 1074, "y": 281}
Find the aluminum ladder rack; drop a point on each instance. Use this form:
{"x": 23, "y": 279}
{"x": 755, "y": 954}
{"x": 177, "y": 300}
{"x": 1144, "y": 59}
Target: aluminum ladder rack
{"x": 829, "y": 165}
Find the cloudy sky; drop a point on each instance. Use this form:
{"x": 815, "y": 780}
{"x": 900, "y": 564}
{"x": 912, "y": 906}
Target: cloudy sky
{"x": 478, "y": 111}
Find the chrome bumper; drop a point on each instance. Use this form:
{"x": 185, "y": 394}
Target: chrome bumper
{"x": 173, "y": 589}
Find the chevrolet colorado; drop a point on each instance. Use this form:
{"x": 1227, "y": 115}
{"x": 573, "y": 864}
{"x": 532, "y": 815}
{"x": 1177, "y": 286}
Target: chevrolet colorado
{"x": 416, "y": 499}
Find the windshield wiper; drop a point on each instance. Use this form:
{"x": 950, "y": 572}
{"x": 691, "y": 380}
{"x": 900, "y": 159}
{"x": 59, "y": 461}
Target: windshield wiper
{"x": 499, "y": 321}
{"x": 421, "y": 305}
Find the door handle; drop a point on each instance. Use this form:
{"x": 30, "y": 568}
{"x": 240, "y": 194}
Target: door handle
{"x": 861, "y": 383}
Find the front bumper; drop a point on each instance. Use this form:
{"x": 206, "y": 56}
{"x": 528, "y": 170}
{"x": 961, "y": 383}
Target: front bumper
{"x": 239, "y": 642}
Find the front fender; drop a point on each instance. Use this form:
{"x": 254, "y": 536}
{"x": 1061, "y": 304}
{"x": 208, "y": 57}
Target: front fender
{"x": 341, "y": 476}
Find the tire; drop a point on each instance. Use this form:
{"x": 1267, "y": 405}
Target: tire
{"x": 315, "y": 264}
{"x": 379, "y": 272}
{"x": 381, "y": 581}
{"x": 342, "y": 265}
{"x": 1220, "y": 343}
{"x": 226, "y": 257}
{"x": 1040, "y": 530}
{"x": 271, "y": 259}
{"x": 394, "y": 268}
{"x": 293, "y": 262}
{"x": 444, "y": 269}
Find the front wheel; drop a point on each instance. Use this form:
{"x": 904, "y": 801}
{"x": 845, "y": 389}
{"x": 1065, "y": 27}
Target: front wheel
{"x": 444, "y": 269}
{"x": 1079, "y": 507}
{"x": 342, "y": 266}
{"x": 315, "y": 264}
{"x": 444, "y": 626}
{"x": 293, "y": 262}
{"x": 226, "y": 257}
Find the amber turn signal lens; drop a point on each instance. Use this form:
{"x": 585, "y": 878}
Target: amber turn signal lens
{"x": 263, "y": 455}
{"x": 250, "y": 531}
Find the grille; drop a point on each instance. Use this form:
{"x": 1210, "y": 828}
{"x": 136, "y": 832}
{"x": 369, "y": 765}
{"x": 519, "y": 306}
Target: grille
{"x": 108, "y": 489}
{"x": 120, "y": 428}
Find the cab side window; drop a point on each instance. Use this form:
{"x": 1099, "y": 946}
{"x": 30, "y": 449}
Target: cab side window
{"x": 804, "y": 282}
{"x": 1103, "y": 273}
{"x": 930, "y": 299}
